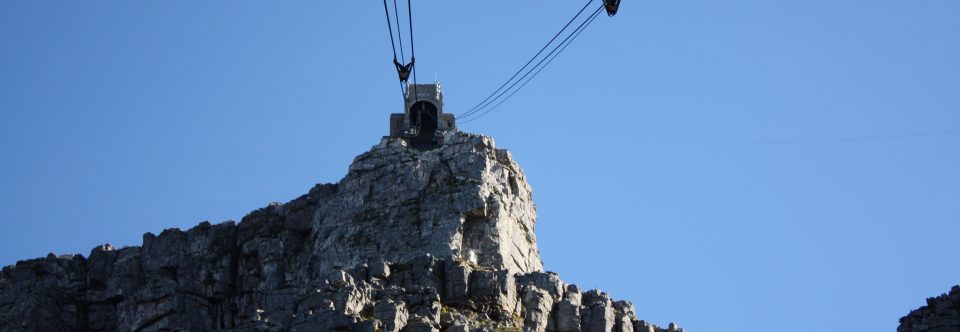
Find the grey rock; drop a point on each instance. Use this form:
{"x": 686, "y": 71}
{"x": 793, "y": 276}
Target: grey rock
{"x": 50, "y": 284}
{"x": 597, "y": 313}
{"x": 367, "y": 326}
{"x": 324, "y": 320}
{"x": 408, "y": 240}
{"x": 457, "y": 328}
{"x": 454, "y": 322}
{"x": 464, "y": 197}
{"x": 424, "y": 303}
{"x": 379, "y": 269}
{"x": 566, "y": 314}
{"x": 340, "y": 278}
{"x": 457, "y": 285}
{"x": 548, "y": 281}
{"x": 392, "y": 314}
{"x": 496, "y": 292}
{"x": 537, "y": 305}
{"x": 642, "y": 326}
{"x": 420, "y": 324}
{"x": 625, "y": 315}
{"x": 352, "y": 300}
{"x": 422, "y": 271}
{"x": 941, "y": 314}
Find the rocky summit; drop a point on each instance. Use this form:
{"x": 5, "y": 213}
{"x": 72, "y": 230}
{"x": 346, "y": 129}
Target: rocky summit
{"x": 409, "y": 240}
{"x": 941, "y": 314}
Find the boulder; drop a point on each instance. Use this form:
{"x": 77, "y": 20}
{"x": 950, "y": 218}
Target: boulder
{"x": 495, "y": 292}
{"x": 537, "y": 305}
{"x": 597, "y": 314}
{"x": 393, "y": 315}
{"x": 566, "y": 314}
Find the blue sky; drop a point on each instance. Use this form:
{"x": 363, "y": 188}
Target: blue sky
{"x": 738, "y": 165}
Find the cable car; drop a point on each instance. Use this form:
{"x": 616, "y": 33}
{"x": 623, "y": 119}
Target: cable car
{"x": 611, "y": 6}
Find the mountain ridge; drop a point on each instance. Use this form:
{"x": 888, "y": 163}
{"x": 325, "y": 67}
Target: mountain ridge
{"x": 413, "y": 240}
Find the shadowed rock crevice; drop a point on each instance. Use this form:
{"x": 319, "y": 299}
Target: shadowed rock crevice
{"x": 476, "y": 231}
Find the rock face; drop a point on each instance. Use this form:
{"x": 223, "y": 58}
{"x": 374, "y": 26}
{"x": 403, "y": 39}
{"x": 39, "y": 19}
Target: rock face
{"x": 941, "y": 314}
{"x": 409, "y": 240}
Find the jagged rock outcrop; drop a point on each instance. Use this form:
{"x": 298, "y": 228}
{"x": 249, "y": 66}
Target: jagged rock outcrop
{"x": 941, "y": 314}
{"x": 409, "y": 240}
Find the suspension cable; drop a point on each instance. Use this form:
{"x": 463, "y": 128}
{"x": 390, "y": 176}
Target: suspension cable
{"x": 485, "y": 100}
{"x": 390, "y": 29}
{"x": 403, "y": 70}
{"x": 563, "y": 46}
{"x": 393, "y": 46}
{"x": 413, "y": 55}
{"x": 565, "y": 41}
{"x": 396, "y": 19}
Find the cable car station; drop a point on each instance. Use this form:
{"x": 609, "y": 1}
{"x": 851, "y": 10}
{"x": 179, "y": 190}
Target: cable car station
{"x": 422, "y": 123}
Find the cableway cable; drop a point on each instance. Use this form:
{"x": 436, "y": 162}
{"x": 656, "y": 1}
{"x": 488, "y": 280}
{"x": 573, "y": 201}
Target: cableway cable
{"x": 413, "y": 55}
{"x": 396, "y": 19}
{"x": 552, "y": 55}
{"x": 403, "y": 70}
{"x": 562, "y": 46}
{"x": 393, "y": 46}
{"x": 487, "y": 101}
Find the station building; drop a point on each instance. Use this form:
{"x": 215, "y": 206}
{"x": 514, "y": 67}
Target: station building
{"x": 422, "y": 123}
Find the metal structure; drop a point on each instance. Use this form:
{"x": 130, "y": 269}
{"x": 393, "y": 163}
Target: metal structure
{"x": 563, "y": 38}
{"x": 611, "y": 6}
{"x": 422, "y": 123}
{"x": 403, "y": 70}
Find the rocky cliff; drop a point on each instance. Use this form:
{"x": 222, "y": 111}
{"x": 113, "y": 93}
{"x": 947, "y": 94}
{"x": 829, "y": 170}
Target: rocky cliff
{"x": 941, "y": 314}
{"x": 437, "y": 240}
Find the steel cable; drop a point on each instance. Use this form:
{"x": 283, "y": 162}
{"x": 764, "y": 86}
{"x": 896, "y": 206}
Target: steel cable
{"x": 486, "y": 101}
{"x": 393, "y": 46}
{"x": 396, "y": 19}
{"x": 413, "y": 54}
{"x": 552, "y": 55}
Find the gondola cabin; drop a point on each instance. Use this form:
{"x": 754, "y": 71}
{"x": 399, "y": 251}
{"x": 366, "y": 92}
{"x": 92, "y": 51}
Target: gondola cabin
{"x": 422, "y": 123}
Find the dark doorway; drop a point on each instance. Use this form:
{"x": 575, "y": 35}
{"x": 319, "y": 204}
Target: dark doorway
{"x": 423, "y": 116}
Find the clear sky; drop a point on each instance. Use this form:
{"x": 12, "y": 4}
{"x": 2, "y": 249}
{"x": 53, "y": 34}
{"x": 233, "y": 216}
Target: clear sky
{"x": 742, "y": 165}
